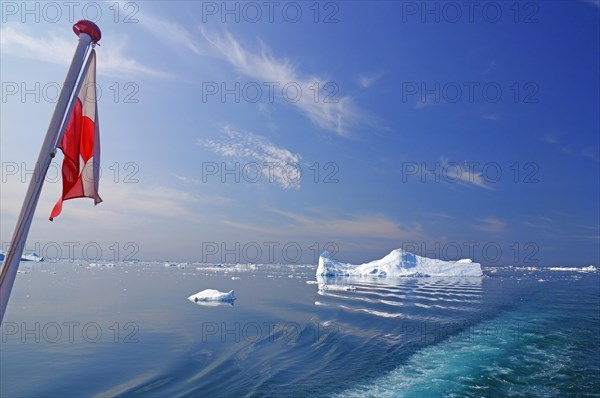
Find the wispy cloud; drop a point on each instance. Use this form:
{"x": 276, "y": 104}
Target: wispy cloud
{"x": 367, "y": 81}
{"x": 275, "y": 163}
{"x": 593, "y": 2}
{"x": 327, "y": 110}
{"x": 491, "y": 66}
{"x": 169, "y": 32}
{"x": 463, "y": 174}
{"x": 550, "y": 139}
{"x": 439, "y": 215}
{"x": 318, "y": 226}
{"x": 425, "y": 101}
{"x": 591, "y": 153}
{"x": 157, "y": 201}
{"x": 490, "y": 224}
{"x": 251, "y": 227}
{"x": 186, "y": 180}
{"x": 492, "y": 116}
{"x": 540, "y": 222}
{"x": 319, "y": 100}
{"x": 122, "y": 202}
{"x": 16, "y": 41}
{"x": 365, "y": 226}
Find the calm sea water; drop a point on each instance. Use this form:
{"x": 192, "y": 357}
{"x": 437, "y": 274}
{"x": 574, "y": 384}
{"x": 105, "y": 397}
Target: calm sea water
{"x": 129, "y": 330}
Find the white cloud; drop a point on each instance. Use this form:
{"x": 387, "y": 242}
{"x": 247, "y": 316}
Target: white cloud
{"x": 463, "y": 174}
{"x": 275, "y": 164}
{"x": 492, "y": 116}
{"x": 593, "y": 2}
{"x": 170, "y": 32}
{"x": 131, "y": 200}
{"x": 364, "y": 226}
{"x": 439, "y": 215}
{"x": 124, "y": 205}
{"x": 591, "y": 153}
{"x": 490, "y": 224}
{"x": 186, "y": 180}
{"x": 491, "y": 66}
{"x": 551, "y": 139}
{"x": 14, "y": 40}
{"x": 540, "y": 222}
{"x": 113, "y": 62}
{"x": 326, "y": 109}
{"x": 367, "y": 81}
{"x": 323, "y": 106}
{"x": 424, "y": 102}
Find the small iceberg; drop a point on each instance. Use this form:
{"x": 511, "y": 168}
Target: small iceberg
{"x": 212, "y": 296}
{"x": 32, "y": 257}
{"x": 337, "y": 288}
{"x": 399, "y": 263}
{"x": 590, "y": 268}
{"x": 27, "y": 257}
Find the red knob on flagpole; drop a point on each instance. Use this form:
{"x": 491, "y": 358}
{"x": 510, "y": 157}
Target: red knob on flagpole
{"x": 88, "y": 27}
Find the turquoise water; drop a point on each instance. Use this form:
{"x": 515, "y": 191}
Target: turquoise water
{"x": 128, "y": 330}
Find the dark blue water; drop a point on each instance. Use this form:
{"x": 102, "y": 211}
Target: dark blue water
{"x": 129, "y": 330}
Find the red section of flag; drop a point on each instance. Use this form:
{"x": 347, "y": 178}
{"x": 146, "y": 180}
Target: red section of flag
{"x": 80, "y": 145}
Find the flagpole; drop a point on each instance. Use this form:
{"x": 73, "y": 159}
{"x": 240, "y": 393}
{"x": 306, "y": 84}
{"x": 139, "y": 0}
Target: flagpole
{"x": 88, "y": 33}
{"x": 69, "y": 110}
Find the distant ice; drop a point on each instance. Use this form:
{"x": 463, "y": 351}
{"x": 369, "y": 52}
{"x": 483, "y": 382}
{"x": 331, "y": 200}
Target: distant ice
{"x": 399, "y": 263}
{"x": 178, "y": 265}
{"x": 32, "y": 257}
{"x": 94, "y": 265}
{"x": 590, "y": 268}
{"x": 27, "y": 257}
{"x": 339, "y": 288}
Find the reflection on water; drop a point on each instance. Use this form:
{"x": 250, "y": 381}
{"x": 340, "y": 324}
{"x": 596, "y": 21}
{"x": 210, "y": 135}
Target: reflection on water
{"x": 287, "y": 335}
{"x": 405, "y": 298}
{"x": 213, "y": 303}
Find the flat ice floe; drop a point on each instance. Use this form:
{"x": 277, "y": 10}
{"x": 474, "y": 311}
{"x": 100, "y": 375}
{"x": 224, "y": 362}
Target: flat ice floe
{"x": 399, "y": 263}
{"x": 590, "y": 268}
{"x": 211, "y": 295}
{"x": 337, "y": 288}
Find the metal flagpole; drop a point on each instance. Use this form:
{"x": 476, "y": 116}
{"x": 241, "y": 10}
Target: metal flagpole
{"x": 69, "y": 111}
{"x": 88, "y": 33}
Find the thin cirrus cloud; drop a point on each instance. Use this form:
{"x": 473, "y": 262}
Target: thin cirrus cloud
{"x": 490, "y": 224}
{"x": 128, "y": 204}
{"x": 464, "y": 174}
{"x": 592, "y": 153}
{"x": 186, "y": 180}
{"x": 148, "y": 201}
{"x": 327, "y": 110}
{"x": 16, "y": 41}
{"x": 368, "y": 225}
{"x": 455, "y": 173}
{"x": 588, "y": 152}
{"x": 367, "y": 81}
{"x": 275, "y": 164}
{"x": 169, "y": 32}
{"x": 593, "y": 2}
{"x": 424, "y": 102}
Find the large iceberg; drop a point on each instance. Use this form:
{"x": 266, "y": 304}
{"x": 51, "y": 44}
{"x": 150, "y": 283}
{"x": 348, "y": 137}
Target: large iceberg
{"x": 399, "y": 263}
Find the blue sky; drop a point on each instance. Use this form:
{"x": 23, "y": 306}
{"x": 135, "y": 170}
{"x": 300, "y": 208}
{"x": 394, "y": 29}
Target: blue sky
{"x": 360, "y": 127}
